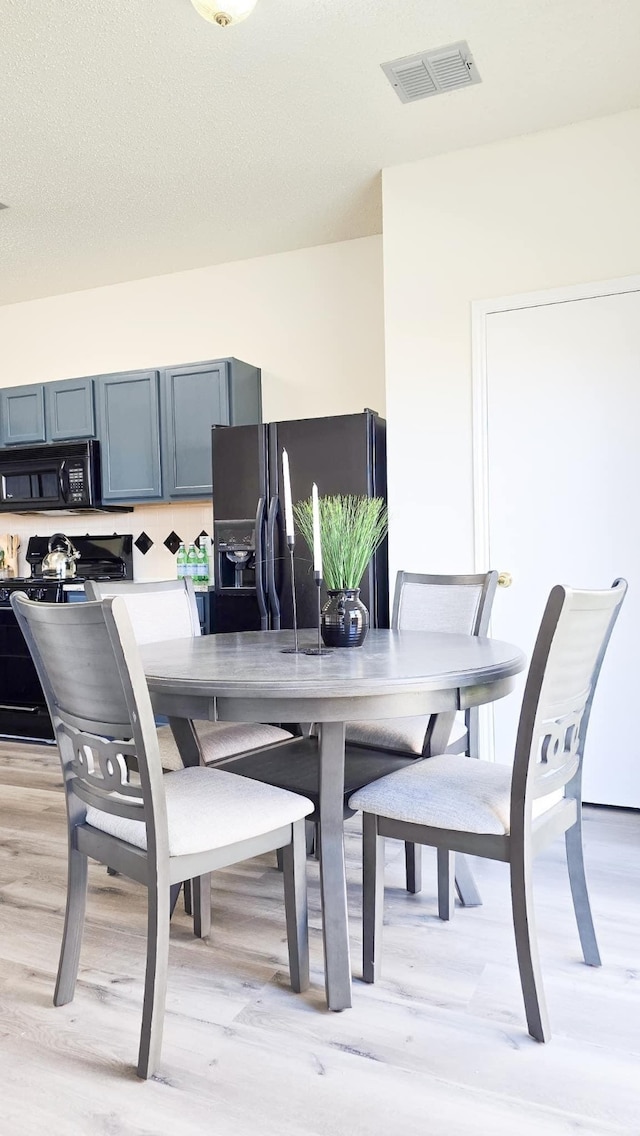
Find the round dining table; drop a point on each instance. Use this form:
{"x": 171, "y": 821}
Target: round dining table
{"x": 254, "y": 676}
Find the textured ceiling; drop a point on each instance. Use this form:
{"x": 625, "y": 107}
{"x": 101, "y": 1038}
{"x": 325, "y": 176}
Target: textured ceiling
{"x": 137, "y": 139}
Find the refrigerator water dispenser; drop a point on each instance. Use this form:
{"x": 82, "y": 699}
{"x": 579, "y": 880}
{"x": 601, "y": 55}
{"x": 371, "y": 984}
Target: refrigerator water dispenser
{"x": 235, "y": 554}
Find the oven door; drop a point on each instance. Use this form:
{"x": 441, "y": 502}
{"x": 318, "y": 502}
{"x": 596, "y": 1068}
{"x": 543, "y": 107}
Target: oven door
{"x": 23, "y": 710}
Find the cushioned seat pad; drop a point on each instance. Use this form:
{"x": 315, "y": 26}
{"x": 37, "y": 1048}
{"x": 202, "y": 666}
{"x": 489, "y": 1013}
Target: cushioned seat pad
{"x": 220, "y": 740}
{"x": 447, "y": 791}
{"x": 208, "y": 809}
{"x": 406, "y": 735}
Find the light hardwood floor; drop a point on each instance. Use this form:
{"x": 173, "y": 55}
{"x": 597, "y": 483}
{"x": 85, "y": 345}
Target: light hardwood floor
{"x": 438, "y": 1046}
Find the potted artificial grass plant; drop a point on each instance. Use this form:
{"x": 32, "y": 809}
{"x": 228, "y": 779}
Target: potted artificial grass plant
{"x": 352, "y": 528}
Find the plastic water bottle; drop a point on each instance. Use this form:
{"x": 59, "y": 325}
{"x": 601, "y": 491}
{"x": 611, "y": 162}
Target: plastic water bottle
{"x": 181, "y": 561}
{"x": 203, "y": 565}
{"x": 206, "y": 545}
{"x": 192, "y": 564}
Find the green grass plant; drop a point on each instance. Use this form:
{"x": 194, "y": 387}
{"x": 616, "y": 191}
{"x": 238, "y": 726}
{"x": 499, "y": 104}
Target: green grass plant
{"x": 351, "y": 529}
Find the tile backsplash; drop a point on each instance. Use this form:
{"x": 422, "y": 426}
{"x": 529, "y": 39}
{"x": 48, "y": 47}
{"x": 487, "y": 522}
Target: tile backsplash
{"x": 148, "y": 523}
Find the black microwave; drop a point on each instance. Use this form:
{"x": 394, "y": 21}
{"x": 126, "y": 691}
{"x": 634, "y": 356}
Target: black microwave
{"x": 53, "y": 478}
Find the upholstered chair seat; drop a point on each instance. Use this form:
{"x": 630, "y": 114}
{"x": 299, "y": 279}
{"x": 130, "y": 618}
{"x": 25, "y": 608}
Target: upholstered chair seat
{"x": 406, "y": 735}
{"x": 447, "y": 791}
{"x": 209, "y": 809}
{"x": 219, "y": 740}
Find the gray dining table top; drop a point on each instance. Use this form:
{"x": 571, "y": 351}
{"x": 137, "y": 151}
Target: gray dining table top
{"x": 251, "y": 664}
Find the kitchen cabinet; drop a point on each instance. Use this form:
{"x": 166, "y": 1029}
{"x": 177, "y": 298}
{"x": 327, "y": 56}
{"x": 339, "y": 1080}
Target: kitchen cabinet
{"x": 128, "y": 421}
{"x": 22, "y": 415}
{"x": 194, "y": 398}
{"x": 47, "y": 412}
{"x": 154, "y": 426}
{"x": 69, "y": 409}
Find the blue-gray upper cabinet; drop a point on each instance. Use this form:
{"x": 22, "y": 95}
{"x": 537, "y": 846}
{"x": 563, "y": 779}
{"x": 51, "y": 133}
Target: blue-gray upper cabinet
{"x": 128, "y": 412}
{"x": 22, "y": 415}
{"x": 69, "y": 409}
{"x": 196, "y": 397}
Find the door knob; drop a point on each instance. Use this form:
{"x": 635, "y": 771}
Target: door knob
{"x": 505, "y": 580}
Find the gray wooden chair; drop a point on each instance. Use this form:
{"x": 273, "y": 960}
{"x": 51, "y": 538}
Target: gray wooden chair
{"x": 454, "y": 803}
{"x": 158, "y": 829}
{"x": 453, "y": 605}
{"x": 459, "y": 605}
{"x": 167, "y": 609}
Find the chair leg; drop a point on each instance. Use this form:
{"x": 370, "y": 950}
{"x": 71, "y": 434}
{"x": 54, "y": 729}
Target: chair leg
{"x": 446, "y": 883}
{"x": 201, "y": 901}
{"x": 372, "y": 897}
{"x": 526, "y": 944}
{"x": 155, "y": 982}
{"x": 472, "y": 721}
{"x": 73, "y": 928}
{"x": 413, "y": 867}
{"x": 580, "y": 894}
{"x": 311, "y": 830}
{"x": 186, "y": 887}
{"x": 174, "y": 892}
{"x": 294, "y": 869}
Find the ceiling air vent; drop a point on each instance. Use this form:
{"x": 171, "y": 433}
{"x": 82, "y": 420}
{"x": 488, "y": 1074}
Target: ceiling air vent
{"x": 444, "y": 69}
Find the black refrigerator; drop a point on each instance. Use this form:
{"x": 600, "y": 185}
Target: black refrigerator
{"x": 252, "y": 587}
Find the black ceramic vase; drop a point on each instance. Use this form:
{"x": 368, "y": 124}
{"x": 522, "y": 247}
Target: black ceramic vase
{"x": 345, "y": 619}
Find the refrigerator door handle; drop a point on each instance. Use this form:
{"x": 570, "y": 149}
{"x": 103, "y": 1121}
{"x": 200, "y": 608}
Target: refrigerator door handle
{"x": 272, "y": 591}
{"x": 260, "y": 566}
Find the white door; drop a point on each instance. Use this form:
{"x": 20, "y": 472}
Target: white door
{"x": 562, "y": 460}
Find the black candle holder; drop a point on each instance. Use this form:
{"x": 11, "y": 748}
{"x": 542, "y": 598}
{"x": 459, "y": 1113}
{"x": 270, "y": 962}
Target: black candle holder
{"x": 295, "y": 650}
{"x": 319, "y": 650}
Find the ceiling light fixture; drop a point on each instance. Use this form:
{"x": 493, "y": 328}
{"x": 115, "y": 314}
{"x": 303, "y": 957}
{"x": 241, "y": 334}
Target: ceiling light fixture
{"x": 224, "y": 12}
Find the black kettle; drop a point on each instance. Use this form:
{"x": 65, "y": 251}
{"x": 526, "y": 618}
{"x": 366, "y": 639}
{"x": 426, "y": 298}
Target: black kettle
{"x": 60, "y": 561}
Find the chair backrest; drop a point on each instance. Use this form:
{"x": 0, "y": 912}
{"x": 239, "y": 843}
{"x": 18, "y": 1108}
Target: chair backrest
{"x": 89, "y": 667}
{"x": 455, "y": 604}
{"x": 163, "y": 609}
{"x": 563, "y": 674}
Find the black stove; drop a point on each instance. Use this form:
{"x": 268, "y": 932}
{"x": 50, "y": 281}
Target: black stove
{"x": 48, "y": 591}
{"x": 23, "y": 711}
{"x": 101, "y": 557}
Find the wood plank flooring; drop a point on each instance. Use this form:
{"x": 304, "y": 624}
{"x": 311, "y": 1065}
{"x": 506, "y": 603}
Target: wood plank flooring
{"x": 438, "y": 1046}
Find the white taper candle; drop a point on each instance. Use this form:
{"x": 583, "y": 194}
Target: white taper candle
{"x": 317, "y": 544}
{"x": 288, "y": 503}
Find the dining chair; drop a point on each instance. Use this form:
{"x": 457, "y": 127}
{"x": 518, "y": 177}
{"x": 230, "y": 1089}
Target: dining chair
{"x": 167, "y": 609}
{"x": 454, "y": 803}
{"x": 453, "y": 604}
{"x": 156, "y": 828}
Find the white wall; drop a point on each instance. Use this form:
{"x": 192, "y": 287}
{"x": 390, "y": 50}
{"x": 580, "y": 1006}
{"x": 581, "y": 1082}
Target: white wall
{"x": 311, "y": 319}
{"x": 535, "y": 212}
